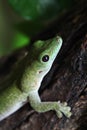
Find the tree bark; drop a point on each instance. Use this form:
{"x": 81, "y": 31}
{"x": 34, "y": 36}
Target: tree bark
{"x": 66, "y": 81}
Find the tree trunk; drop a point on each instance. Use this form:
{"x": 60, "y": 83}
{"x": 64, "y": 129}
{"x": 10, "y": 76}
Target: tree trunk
{"x": 66, "y": 81}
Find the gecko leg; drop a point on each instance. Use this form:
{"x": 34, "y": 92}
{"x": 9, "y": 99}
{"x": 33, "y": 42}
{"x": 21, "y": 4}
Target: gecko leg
{"x": 60, "y": 108}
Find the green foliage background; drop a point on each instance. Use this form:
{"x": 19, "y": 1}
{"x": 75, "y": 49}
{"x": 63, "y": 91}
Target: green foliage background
{"x": 21, "y": 19}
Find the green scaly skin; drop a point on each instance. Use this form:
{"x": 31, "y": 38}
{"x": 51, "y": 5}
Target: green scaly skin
{"x": 28, "y": 78}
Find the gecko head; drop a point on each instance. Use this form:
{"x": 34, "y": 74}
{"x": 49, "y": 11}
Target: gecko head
{"x": 46, "y": 52}
{"x": 39, "y": 61}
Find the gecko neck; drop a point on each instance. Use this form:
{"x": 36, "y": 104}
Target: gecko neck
{"x": 32, "y": 78}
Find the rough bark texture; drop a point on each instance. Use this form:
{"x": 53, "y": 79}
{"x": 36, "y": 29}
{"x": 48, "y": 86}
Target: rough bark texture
{"x": 67, "y": 80}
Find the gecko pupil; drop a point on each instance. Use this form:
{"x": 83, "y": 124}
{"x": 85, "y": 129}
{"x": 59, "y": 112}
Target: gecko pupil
{"x": 45, "y": 58}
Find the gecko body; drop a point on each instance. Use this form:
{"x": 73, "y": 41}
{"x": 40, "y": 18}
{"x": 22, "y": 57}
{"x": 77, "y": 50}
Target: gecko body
{"x": 27, "y": 80}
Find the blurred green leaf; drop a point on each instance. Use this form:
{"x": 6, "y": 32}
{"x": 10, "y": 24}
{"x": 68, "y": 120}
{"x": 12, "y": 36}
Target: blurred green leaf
{"x": 20, "y": 40}
{"x": 40, "y": 9}
{"x": 11, "y": 38}
{"x": 16, "y": 32}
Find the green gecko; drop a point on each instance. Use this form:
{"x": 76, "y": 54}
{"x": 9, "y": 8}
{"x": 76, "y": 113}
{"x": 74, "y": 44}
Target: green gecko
{"x": 27, "y": 80}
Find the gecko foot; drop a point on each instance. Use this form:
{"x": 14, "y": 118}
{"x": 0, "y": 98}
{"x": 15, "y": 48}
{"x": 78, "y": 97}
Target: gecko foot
{"x": 62, "y": 108}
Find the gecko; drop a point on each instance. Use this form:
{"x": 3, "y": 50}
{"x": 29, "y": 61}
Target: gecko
{"x": 27, "y": 81}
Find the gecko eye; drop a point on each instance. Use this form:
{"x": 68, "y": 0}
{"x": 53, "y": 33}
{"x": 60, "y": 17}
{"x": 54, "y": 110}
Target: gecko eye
{"x": 45, "y": 58}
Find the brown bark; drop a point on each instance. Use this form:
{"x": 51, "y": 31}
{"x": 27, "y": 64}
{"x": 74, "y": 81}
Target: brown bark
{"x": 67, "y": 80}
